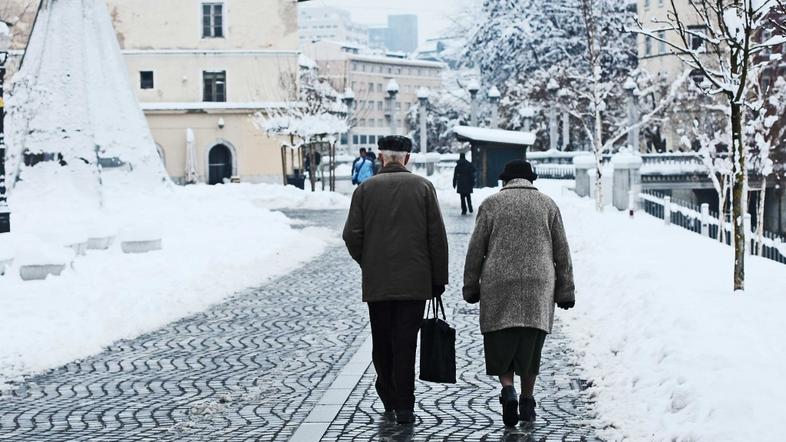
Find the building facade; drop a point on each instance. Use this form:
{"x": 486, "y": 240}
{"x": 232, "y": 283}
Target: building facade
{"x": 368, "y": 77}
{"x": 327, "y": 23}
{"x": 218, "y": 63}
{"x": 208, "y": 67}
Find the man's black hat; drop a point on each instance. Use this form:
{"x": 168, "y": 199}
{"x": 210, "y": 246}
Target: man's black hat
{"x": 518, "y": 169}
{"x": 395, "y": 143}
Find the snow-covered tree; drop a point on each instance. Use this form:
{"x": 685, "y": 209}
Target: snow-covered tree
{"x": 316, "y": 115}
{"x": 717, "y": 38}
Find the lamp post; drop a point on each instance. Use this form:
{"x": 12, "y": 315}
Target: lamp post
{"x": 565, "y": 122}
{"x": 349, "y": 101}
{"x": 5, "y": 213}
{"x": 423, "y": 94}
{"x": 553, "y": 87}
{"x": 632, "y": 89}
{"x": 528, "y": 113}
{"x": 494, "y": 96}
{"x": 392, "y": 90}
{"x": 473, "y": 87}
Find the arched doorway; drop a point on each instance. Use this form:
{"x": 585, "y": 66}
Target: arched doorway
{"x": 219, "y": 164}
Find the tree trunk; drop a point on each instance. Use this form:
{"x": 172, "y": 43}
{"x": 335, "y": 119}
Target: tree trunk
{"x": 738, "y": 195}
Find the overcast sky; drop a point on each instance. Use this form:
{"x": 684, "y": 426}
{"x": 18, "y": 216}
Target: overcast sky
{"x": 433, "y": 15}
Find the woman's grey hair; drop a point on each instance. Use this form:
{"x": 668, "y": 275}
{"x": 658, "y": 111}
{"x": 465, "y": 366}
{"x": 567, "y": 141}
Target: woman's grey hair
{"x": 392, "y": 156}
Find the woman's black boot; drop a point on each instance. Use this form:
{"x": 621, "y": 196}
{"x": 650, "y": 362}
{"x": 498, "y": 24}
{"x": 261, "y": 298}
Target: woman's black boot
{"x": 510, "y": 405}
{"x": 527, "y": 409}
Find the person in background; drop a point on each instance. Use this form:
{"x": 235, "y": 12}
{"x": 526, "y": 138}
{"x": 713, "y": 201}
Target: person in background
{"x": 362, "y": 167}
{"x": 374, "y": 160}
{"x": 395, "y": 231}
{"x": 518, "y": 267}
{"x": 464, "y": 182}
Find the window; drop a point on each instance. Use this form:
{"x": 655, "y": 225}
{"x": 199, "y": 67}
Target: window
{"x": 370, "y": 122}
{"x": 212, "y": 20}
{"x": 215, "y": 86}
{"x": 696, "y": 42}
{"x": 647, "y": 45}
{"x": 646, "y": 3}
{"x": 380, "y": 106}
{"x": 362, "y": 122}
{"x": 146, "y": 80}
{"x": 371, "y": 87}
{"x": 661, "y": 43}
{"x": 363, "y": 139}
{"x": 354, "y": 139}
{"x": 379, "y": 87}
{"x": 372, "y": 139}
{"x": 344, "y": 138}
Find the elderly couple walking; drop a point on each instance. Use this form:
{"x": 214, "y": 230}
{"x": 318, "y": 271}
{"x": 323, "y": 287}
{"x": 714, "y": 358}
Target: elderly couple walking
{"x": 518, "y": 267}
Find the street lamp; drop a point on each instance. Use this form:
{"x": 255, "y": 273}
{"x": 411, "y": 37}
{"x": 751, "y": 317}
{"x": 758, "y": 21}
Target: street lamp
{"x": 494, "y": 96}
{"x": 423, "y": 94}
{"x": 349, "y": 101}
{"x": 632, "y": 89}
{"x": 473, "y": 87}
{"x": 527, "y": 113}
{"x": 553, "y": 87}
{"x": 392, "y": 90}
{"x": 5, "y": 213}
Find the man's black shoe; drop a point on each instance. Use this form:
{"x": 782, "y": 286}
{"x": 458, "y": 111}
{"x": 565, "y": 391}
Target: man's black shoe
{"x": 405, "y": 417}
{"x": 510, "y": 405}
{"x": 389, "y": 415}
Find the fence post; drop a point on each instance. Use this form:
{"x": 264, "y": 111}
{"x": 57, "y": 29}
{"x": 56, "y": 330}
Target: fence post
{"x": 746, "y": 230}
{"x": 667, "y": 210}
{"x": 705, "y": 219}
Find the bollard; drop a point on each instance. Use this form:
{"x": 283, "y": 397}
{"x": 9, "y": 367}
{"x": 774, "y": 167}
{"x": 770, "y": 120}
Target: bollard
{"x": 667, "y": 210}
{"x": 705, "y": 219}
{"x": 747, "y": 231}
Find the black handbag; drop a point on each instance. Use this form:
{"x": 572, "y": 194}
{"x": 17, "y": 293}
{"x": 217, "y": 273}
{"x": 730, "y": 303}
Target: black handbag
{"x": 437, "y": 346}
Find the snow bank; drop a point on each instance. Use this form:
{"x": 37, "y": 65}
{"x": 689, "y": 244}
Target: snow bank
{"x": 217, "y": 240}
{"x": 672, "y": 353}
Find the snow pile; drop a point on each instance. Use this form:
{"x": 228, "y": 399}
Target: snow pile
{"x": 73, "y": 92}
{"x": 672, "y": 353}
{"x": 217, "y": 240}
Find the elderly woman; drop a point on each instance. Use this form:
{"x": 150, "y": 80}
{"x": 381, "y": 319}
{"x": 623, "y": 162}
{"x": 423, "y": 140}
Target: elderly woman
{"x": 518, "y": 267}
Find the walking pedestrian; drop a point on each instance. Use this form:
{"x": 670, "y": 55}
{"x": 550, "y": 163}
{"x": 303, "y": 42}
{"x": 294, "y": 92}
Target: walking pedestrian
{"x": 362, "y": 167}
{"x": 464, "y": 182}
{"x": 396, "y": 233}
{"x": 518, "y": 267}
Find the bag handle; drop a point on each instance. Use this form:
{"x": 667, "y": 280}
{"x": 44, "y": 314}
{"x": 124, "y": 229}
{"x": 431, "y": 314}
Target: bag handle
{"x": 434, "y": 305}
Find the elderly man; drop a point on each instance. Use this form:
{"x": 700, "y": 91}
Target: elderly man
{"x": 395, "y": 232}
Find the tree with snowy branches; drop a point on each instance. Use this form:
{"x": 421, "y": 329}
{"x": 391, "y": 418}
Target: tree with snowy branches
{"x": 717, "y": 38}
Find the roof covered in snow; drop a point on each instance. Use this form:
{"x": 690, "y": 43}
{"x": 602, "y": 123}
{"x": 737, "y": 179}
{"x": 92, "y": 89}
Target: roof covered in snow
{"x": 494, "y": 135}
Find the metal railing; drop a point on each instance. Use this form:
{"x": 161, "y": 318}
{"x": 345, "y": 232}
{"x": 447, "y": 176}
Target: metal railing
{"x": 699, "y": 219}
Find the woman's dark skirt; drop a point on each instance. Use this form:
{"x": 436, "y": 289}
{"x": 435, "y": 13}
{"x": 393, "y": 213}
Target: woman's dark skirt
{"x": 513, "y": 349}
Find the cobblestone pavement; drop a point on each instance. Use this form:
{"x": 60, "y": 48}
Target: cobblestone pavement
{"x": 252, "y": 368}
{"x": 470, "y": 409}
{"x": 248, "y": 369}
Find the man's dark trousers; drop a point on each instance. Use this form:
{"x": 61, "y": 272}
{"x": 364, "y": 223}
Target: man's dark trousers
{"x": 466, "y": 200}
{"x": 394, "y": 333}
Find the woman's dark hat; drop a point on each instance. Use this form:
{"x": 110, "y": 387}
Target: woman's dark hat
{"x": 518, "y": 169}
{"x": 395, "y": 143}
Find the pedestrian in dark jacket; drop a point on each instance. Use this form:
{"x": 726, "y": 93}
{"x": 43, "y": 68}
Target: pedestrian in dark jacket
{"x": 464, "y": 182}
{"x": 395, "y": 232}
{"x": 518, "y": 267}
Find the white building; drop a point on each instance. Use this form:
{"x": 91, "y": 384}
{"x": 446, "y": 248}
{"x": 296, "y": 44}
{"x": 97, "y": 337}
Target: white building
{"x": 327, "y": 23}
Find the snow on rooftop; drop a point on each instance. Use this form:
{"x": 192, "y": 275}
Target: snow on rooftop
{"x": 306, "y": 62}
{"x": 495, "y": 135}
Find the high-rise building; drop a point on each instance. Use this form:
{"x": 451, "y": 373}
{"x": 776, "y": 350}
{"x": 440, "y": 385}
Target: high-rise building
{"x": 402, "y": 33}
{"x": 327, "y": 23}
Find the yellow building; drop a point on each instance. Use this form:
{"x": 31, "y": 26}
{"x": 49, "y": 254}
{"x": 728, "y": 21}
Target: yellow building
{"x": 200, "y": 70}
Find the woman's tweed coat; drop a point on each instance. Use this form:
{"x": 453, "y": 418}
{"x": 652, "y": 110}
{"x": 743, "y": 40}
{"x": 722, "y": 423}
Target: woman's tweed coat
{"x": 518, "y": 262}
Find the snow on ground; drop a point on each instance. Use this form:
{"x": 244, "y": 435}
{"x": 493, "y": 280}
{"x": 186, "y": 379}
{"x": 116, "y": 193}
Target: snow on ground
{"x": 217, "y": 240}
{"x": 672, "y": 353}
